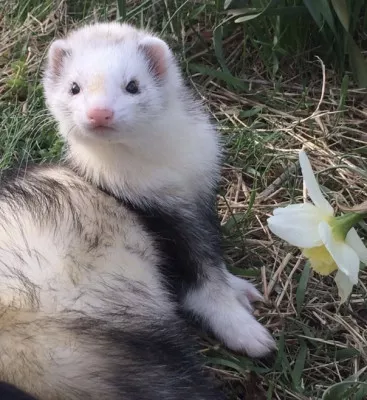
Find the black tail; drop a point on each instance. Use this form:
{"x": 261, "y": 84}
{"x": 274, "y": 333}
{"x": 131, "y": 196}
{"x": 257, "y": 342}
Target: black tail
{"x": 9, "y": 392}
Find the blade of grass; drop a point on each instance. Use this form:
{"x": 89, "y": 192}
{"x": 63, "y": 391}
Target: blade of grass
{"x": 299, "y": 366}
{"x": 121, "y": 10}
{"x": 232, "y": 81}
{"x": 302, "y": 286}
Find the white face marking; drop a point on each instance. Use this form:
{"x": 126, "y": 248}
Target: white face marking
{"x": 102, "y": 67}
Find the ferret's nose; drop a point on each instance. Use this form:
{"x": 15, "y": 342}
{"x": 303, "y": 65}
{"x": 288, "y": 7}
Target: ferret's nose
{"x": 100, "y": 116}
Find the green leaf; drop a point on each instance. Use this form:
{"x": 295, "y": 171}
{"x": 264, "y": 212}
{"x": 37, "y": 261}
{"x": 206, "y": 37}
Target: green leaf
{"x": 362, "y": 393}
{"x": 281, "y": 362}
{"x": 341, "y": 10}
{"x": 343, "y": 93}
{"x": 223, "y": 76}
{"x": 358, "y": 63}
{"x": 251, "y": 202}
{"x": 342, "y": 390}
{"x": 299, "y": 365}
{"x": 243, "y": 11}
{"x": 248, "y": 17}
{"x": 233, "y": 221}
{"x": 227, "y": 3}
{"x": 321, "y": 7}
{"x": 227, "y": 363}
{"x": 197, "y": 12}
{"x": 357, "y": 60}
{"x": 302, "y": 285}
{"x": 218, "y": 49}
{"x": 235, "y": 3}
{"x": 251, "y": 13}
{"x": 121, "y": 10}
{"x": 314, "y": 11}
{"x": 345, "y": 354}
{"x": 250, "y": 113}
{"x": 327, "y": 13}
{"x": 356, "y": 14}
{"x": 250, "y": 365}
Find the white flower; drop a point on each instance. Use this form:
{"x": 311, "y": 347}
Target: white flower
{"x": 331, "y": 243}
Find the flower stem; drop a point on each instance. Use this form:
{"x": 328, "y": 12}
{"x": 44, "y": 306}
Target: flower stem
{"x": 343, "y": 224}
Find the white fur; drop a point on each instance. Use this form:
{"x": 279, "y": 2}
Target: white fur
{"x": 154, "y": 148}
{"x": 50, "y": 272}
{"x": 160, "y": 146}
{"x": 61, "y": 260}
{"x": 226, "y": 307}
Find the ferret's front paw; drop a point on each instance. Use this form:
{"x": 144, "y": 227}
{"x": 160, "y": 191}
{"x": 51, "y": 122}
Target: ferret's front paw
{"x": 245, "y": 291}
{"x": 226, "y": 308}
{"x": 244, "y": 332}
{"x": 235, "y": 326}
{"x": 238, "y": 329}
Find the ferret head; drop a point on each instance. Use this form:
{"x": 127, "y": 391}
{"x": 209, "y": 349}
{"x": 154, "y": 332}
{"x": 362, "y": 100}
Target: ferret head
{"x": 109, "y": 82}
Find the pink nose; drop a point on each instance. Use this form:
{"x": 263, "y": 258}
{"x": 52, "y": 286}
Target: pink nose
{"x": 100, "y": 116}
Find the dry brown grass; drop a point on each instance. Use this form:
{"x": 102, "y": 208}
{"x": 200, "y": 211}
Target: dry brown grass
{"x": 329, "y": 342}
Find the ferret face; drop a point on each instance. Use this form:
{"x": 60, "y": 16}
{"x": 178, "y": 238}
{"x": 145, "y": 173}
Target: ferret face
{"x": 108, "y": 81}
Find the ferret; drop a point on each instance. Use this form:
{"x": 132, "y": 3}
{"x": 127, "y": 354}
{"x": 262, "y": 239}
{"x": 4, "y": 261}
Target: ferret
{"x": 106, "y": 256}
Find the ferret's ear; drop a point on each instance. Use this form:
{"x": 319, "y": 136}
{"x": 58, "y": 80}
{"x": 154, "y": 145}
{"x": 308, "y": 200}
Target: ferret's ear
{"x": 157, "y": 53}
{"x": 56, "y": 55}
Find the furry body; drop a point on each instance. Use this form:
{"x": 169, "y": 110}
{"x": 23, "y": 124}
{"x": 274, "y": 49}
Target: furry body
{"x": 85, "y": 314}
{"x": 99, "y": 256}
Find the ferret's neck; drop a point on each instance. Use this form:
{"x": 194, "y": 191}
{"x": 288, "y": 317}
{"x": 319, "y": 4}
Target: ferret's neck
{"x": 167, "y": 169}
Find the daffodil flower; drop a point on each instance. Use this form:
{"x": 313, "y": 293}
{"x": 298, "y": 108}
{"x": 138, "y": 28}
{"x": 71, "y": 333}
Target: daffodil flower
{"x": 330, "y": 243}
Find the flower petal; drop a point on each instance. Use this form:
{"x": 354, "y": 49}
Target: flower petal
{"x": 344, "y": 285}
{"x": 312, "y": 186}
{"x": 304, "y": 209}
{"x": 345, "y": 257}
{"x": 297, "y": 224}
{"x": 355, "y": 242}
{"x": 303, "y": 236}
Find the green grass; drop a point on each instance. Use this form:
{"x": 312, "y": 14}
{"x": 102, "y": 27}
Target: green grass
{"x": 264, "y": 87}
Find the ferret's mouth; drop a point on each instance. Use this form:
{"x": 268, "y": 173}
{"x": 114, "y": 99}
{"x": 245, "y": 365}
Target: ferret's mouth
{"x": 109, "y": 132}
{"x": 102, "y": 129}
{"x": 100, "y": 132}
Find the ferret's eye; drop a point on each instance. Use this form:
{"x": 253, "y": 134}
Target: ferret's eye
{"x": 75, "y": 89}
{"x": 132, "y": 87}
